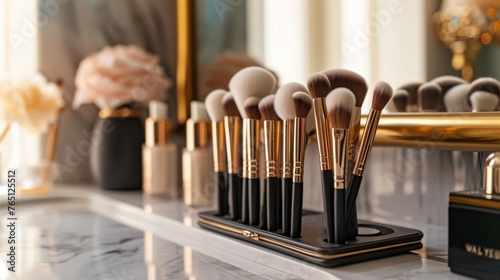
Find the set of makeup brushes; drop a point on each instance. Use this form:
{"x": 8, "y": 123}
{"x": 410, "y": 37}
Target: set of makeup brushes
{"x": 256, "y": 118}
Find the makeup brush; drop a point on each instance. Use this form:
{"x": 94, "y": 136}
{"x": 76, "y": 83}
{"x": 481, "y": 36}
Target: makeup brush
{"x": 437, "y": 166}
{"x": 484, "y": 94}
{"x": 412, "y": 89}
{"x": 272, "y": 141}
{"x": 319, "y": 87}
{"x": 400, "y": 100}
{"x": 381, "y": 96}
{"x": 215, "y": 109}
{"x": 357, "y": 85}
{"x": 429, "y": 95}
{"x": 302, "y": 107}
{"x": 232, "y": 127}
{"x": 284, "y": 106}
{"x": 340, "y": 105}
{"x": 249, "y": 82}
{"x": 251, "y": 134}
{"x": 342, "y": 78}
{"x": 446, "y": 83}
{"x": 456, "y": 99}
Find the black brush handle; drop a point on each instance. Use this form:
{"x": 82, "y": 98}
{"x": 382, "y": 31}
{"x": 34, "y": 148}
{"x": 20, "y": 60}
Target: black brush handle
{"x": 254, "y": 201}
{"x": 297, "y": 193}
{"x": 263, "y": 208}
{"x": 352, "y": 194}
{"x": 278, "y": 204}
{"x": 339, "y": 216}
{"x": 351, "y": 214}
{"x": 222, "y": 191}
{"x": 245, "y": 215}
{"x": 272, "y": 204}
{"x": 235, "y": 194}
{"x": 286, "y": 205}
{"x": 327, "y": 182}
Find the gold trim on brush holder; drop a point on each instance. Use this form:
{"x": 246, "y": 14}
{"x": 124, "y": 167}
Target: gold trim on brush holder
{"x": 478, "y": 131}
{"x": 255, "y": 236}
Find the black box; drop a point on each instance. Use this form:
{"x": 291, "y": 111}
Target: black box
{"x": 474, "y": 234}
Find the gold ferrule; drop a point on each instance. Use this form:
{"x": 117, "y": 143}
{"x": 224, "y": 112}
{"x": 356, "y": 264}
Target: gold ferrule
{"x": 340, "y": 138}
{"x": 299, "y": 147}
{"x": 366, "y": 141}
{"x": 272, "y": 139}
{"x": 251, "y": 136}
{"x": 232, "y": 128}
{"x": 323, "y": 134}
{"x": 196, "y": 135}
{"x": 286, "y": 152}
{"x": 119, "y": 113}
{"x": 446, "y": 131}
{"x": 218, "y": 145}
{"x": 157, "y": 132}
{"x": 354, "y": 128}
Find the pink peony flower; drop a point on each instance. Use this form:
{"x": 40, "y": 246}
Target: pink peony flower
{"x": 120, "y": 75}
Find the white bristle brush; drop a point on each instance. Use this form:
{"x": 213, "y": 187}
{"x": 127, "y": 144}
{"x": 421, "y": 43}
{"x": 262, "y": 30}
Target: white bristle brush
{"x": 251, "y": 82}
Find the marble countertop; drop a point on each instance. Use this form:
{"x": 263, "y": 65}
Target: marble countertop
{"x": 81, "y": 232}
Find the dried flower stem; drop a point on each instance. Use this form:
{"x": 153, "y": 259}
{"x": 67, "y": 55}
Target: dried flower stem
{"x": 4, "y": 132}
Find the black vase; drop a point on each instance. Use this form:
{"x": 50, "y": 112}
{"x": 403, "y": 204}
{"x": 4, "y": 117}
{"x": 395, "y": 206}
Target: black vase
{"x": 116, "y": 157}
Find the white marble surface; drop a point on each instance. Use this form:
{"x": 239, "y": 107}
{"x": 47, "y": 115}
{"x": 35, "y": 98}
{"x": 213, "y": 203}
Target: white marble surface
{"x": 86, "y": 233}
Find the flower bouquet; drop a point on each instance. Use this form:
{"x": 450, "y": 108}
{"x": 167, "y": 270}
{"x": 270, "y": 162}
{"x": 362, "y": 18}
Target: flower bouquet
{"x": 118, "y": 80}
{"x": 31, "y": 106}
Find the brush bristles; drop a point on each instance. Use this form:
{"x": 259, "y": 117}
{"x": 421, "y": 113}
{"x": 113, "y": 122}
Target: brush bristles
{"x": 456, "y": 99}
{"x": 429, "y": 95}
{"x": 266, "y": 108}
{"x": 339, "y": 105}
{"x": 318, "y": 85}
{"x": 400, "y": 100}
{"x": 412, "y": 89}
{"x": 251, "y": 106}
{"x": 447, "y": 82}
{"x": 213, "y": 102}
{"x": 302, "y": 104}
{"x": 350, "y": 80}
{"x": 483, "y": 101}
{"x": 283, "y": 103}
{"x": 381, "y": 95}
{"x": 229, "y": 105}
{"x": 485, "y": 84}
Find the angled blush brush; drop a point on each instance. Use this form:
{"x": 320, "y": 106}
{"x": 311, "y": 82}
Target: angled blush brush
{"x": 381, "y": 96}
{"x": 340, "y": 105}
{"x": 215, "y": 110}
{"x": 232, "y": 129}
{"x": 319, "y": 87}
{"x": 272, "y": 141}
{"x": 284, "y": 106}
{"x": 302, "y": 106}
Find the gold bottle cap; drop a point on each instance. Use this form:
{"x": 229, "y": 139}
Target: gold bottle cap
{"x": 492, "y": 174}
